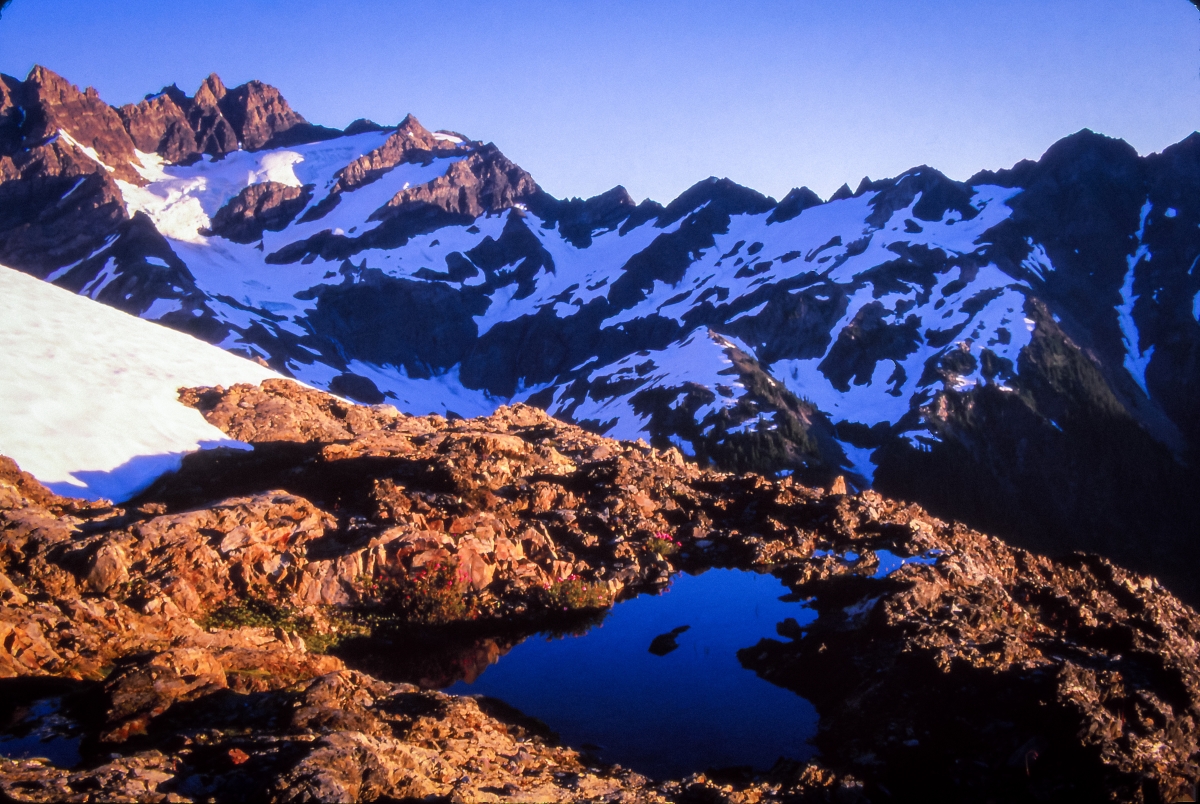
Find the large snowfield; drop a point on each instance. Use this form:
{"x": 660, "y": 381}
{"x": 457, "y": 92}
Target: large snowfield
{"x": 89, "y": 400}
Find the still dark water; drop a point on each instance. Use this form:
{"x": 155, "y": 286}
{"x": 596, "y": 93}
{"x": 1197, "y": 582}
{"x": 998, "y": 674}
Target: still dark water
{"x": 692, "y": 708}
{"x": 38, "y": 729}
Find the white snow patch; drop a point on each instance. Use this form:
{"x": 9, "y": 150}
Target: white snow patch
{"x": 505, "y": 306}
{"x": 161, "y": 307}
{"x": 686, "y": 447}
{"x": 697, "y": 358}
{"x": 91, "y": 408}
{"x": 55, "y": 275}
{"x": 859, "y": 459}
{"x": 439, "y": 394}
{"x": 107, "y": 274}
{"x": 752, "y": 313}
{"x": 182, "y": 199}
{"x": 1136, "y": 360}
{"x": 1038, "y": 261}
{"x": 91, "y": 152}
{"x": 74, "y": 187}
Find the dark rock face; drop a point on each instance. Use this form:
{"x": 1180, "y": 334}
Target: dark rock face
{"x": 411, "y": 142}
{"x": 51, "y": 104}
{"x": 60, "y": 151}
{"x": 58, "y": 201}
{"x": 435, "y": 341}
{"x": 483, "y": 183}
{"x": 260, "y": 207}
{"x": 217, "y": 121}
{"x": 1063, "y": 424}
{"x": 258, "y": 114}
{"x": 214, "y": 134}
{"x": 54, "y": 208}
{"x": 578, "y": 219}
{"x": 158, "y": 125}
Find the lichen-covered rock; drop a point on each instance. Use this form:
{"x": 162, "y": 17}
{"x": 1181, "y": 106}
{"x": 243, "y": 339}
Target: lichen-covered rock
{"x": 285, "y": 411}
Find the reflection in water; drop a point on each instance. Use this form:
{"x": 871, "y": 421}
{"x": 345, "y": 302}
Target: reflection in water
{"x": 683, "y": 708}
{"x": 40, "y": 729}
{"x": 663, "y": 644}
{"x": 435, "y": 658}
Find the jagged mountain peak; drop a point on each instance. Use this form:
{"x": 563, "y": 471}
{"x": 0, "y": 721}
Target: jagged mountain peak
{"x": 211, "y": 91}
{"x": 842, "y": 193}
{"x": 47, "y": 81}
{"x": 50, "y": 104}
{"x": 796, "y": 201}
{"x": 722, "y": 195}
{"x": 579, "y": 219}
{"x": 1088, "y": 142}
{"x": 1072, "y": 158}
{"x": 930, "y": 193}
{"x": 361, "y": 126}
{"x": 410, "y": 124}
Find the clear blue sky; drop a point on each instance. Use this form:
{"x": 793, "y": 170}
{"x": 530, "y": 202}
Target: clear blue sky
{"x": 657, "y": 94}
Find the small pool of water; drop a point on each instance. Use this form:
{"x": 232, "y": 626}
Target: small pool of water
{"x": 39, "y": 729}
{"x": 641, "y": 690}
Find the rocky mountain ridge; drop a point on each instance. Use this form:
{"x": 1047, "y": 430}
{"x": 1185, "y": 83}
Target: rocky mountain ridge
{"x": 1018, "y": 350}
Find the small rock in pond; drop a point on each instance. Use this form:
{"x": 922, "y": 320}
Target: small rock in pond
{"x": 663, "y": 644}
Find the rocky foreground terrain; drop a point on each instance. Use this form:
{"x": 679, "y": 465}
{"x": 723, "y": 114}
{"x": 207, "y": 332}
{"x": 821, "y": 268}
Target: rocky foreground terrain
{"x": 205, "y": 641}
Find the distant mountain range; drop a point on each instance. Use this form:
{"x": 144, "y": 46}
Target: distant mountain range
{"x": 1020, "y": 350}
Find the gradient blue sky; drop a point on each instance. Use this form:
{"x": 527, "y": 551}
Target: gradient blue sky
{"x": 657, "y": 94}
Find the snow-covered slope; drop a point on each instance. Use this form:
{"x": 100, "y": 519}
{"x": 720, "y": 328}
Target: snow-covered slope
{"x": 88, "y": 402}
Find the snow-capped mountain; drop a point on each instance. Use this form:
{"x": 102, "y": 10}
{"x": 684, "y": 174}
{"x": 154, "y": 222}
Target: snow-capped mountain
{"x": 1021, "y": 350}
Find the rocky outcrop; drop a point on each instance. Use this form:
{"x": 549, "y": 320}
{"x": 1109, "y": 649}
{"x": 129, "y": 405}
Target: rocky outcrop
{"x": 12, "y": 116}
{"x": 411, "y": 143}
{"x": 486, "y": 181}
{"x": 279, "y": 410}
{"x": 51, "y": 105}
{"x": 57, "y": 206}
{"x": 60, "y": 151}
{"x": 259, "y": 114}
{"x": 944, "y": 664}
{"x": 214, "y": 134}
{"x": 217, "y": 121}
{"x": 159, "y": 125}
{"x": 269, "y": 206}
